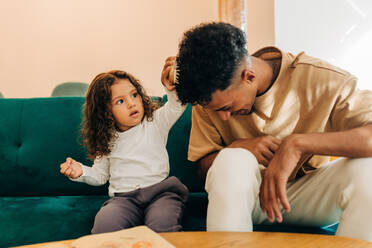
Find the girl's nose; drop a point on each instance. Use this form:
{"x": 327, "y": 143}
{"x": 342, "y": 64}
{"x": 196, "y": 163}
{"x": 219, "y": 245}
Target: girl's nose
{"x": 131, "y": 103}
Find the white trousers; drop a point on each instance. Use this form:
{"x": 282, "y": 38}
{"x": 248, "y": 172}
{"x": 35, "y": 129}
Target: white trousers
{"x": 340, "y": 191}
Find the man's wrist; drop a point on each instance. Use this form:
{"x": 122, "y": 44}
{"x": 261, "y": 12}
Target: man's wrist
{"x": 296, "y": 142}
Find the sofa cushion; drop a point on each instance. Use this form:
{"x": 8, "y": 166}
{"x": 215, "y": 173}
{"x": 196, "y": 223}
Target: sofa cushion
{"x": 35, "y": 138}
{"x": 26, "y": 220}
{"x": 42, "y": 219}
{"x": 195, "y": 212}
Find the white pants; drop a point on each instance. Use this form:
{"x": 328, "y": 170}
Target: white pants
{"x": 340, "y": 191}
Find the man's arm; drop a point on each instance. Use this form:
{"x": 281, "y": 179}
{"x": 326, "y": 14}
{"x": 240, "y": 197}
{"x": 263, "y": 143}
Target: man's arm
{"x": 351, "y": 143}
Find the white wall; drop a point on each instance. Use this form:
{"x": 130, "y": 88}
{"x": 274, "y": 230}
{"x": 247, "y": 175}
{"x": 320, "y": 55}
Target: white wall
{"x": 339, "y": 31}
{"x": 46, "y": 42}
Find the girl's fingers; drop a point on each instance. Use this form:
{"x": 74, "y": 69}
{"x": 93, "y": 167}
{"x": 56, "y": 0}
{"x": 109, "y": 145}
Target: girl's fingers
{"x": 64, "y": 167}
{"x": 68, "y": 171}
{"x": 171, "y": 58}
{"x": 168, "y": 63}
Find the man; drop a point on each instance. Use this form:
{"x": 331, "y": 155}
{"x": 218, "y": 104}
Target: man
{"x": 259, "y": 126}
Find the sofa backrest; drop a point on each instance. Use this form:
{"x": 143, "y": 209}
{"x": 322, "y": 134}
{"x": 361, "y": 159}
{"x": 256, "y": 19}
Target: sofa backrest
{"x": 37, "y": 135}
{"x": 177, "y": 147}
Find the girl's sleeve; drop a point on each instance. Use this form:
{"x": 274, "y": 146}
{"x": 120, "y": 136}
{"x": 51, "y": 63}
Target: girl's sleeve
{"x": 168, "y": 114}
{"x": 96, "y": 175}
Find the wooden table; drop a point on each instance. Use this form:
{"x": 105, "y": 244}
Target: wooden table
{"x": 251, "y": 240}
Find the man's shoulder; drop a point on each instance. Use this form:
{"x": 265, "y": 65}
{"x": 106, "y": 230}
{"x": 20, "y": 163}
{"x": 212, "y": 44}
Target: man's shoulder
{"x": 199, "y": 111}
{"x": 304, "y": 61}
{"x": 206, "y": 116}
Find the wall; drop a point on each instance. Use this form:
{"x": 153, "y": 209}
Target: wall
{"x": 339, "y": 31}
{"x": 260, "y": 24}
{"x": 46, "y": 42}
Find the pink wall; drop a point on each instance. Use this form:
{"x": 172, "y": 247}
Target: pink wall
{"x": 46, "y": 42}
{"x": 260, "y": 24}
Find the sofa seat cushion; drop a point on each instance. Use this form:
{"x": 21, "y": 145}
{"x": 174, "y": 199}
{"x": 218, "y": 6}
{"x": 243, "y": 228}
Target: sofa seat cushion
{"x": 195, "y": 213}
{"x": 51, "y": 218}
{"x": 328, "y": 230}
{"x": 69, "y": 217}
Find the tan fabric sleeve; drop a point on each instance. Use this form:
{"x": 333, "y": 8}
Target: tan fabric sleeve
{"x": 353, "y": 107}
{"x": 204, "y": 137}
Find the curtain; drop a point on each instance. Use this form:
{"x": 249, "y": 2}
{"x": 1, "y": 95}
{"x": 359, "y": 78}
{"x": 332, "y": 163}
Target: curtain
{"x": 234, "y": 12}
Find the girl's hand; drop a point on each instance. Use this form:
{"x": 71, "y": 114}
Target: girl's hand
{"x": 167, "y": 81}
{"x": 71, "y": 168}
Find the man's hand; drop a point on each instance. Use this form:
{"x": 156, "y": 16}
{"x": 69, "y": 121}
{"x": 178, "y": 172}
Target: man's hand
{"x": 165, "y": 79}
{"x": 274, "y": 185}
{"x": 71, "y": 168}
{"x": 263, "y": 148}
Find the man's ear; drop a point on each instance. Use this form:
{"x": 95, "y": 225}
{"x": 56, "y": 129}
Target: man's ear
{"x": 248, "y": 75}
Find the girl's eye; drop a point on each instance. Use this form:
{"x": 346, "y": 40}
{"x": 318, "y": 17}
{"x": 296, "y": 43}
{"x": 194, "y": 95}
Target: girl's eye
{"x": 119, "y": 101}
{"x": 135, "y": 95}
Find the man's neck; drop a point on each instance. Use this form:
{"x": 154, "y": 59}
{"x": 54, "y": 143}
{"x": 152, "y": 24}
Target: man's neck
{"x": 267, "y": 72}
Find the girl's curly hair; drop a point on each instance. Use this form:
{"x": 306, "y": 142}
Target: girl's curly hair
{"x": 98, "y": 124}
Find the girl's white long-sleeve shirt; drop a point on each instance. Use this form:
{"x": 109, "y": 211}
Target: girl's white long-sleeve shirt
{"x": 139, "y": 157}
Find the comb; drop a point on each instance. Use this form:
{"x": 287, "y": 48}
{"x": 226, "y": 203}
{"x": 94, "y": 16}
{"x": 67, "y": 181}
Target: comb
{"x": 174, "y": 73}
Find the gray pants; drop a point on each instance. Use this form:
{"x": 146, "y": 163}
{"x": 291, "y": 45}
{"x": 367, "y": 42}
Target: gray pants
{"x": 158, "y": 206}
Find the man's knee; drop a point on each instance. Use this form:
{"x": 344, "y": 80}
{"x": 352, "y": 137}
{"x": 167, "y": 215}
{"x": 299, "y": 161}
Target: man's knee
{"x": 235, "y": 168}
{"x": 359, "y": 170}
{"x": 356, "y": 177}
{"x": 231, "y": 161}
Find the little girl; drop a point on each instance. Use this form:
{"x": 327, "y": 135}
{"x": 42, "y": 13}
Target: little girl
{"x": 127, "y": 138}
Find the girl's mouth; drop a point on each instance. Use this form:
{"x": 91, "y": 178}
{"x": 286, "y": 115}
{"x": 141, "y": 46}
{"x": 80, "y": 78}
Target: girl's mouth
{"x": 134, "y": 113}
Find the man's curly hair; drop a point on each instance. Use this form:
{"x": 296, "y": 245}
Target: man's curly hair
{"x": 208, "y": 56}
{"x": 98, "y": 124}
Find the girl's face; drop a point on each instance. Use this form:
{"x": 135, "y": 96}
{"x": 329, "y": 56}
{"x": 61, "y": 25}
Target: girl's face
{"x": 126, "y": 104}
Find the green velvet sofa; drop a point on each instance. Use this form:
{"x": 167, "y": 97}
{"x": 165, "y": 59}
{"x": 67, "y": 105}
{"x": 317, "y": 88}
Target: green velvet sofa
{"x": 38, "y": 204}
